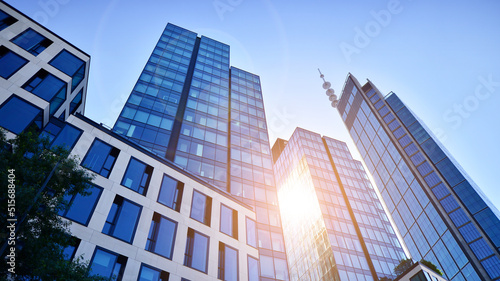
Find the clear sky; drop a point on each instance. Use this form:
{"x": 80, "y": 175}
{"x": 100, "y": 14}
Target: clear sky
{"x": 441, "y": 57}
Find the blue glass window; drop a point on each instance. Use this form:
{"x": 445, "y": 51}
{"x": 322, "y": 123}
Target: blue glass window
{"x": 10, "y": 62}
{"x": 253, "y": 269}
{"x": 450, "y": 173}
{"x": 418, "y": 132}
{"x": 161, "y": 236}
{"x": 149, "y": 273}
{"x": 70, "y": 65}
{"x": 100, "y": 158}
{"x": 70, "y": 250}
{"x": 266, "y": 266}
{"x": 201, "y": 208}
{"x": 228, "y": 263}
{"x": 481, "y": 249}
{"x": 432, "y": 179}
{"x": 492, "y": 266}
{"x": 137, "y": 176}
{"x": 449, "y": 204}
{"x": 433, "y": 151}
{"x": 440, "y": 191}
{"x": 16, "y": 115}
{"x": 6, "y": 20}
{"x": 469, "y": 197}
{"x": 48, "y": 87}
{"x": 122, "y": 219}
{"x": 196, "y": 255}
{"x": 251, "y": 232}
{"x": 107, "y": 264}
{"x": 229, "y": 221}
{"x": 469, "y": 232}
{"x": 79, "y": 207}
{"x": 32, "y": 41}
{"x": 171, "y": 193}
{"x": 459, "y": 217}
{"x": 394, "y": 102}
{"x": 67, "y": 137}
{"x": 406, "y": 117}
{"x": 76, "y": 102}
{"x": 490, "y": 224}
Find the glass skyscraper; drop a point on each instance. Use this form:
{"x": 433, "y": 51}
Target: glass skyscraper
{"x": 191, "y": 107}
{"x": 437, "y": 208}
{"x": 334, "y": 225}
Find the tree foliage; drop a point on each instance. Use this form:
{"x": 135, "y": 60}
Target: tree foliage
{"x": 431, "y": 266}
{"x": 403, "y": 265}
{"x": 43, "y": 235}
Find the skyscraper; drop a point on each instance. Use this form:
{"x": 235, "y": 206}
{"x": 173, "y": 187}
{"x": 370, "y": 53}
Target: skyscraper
{"x": 438, "y": 210}
{"x": 190, "y": 107}
{"x": 334, "y": 226}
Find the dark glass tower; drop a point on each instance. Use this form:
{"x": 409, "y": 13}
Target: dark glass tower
{"x": 334, "y": 225}
{"x": 189, "y": 106}
{"x": 439, "y": 211}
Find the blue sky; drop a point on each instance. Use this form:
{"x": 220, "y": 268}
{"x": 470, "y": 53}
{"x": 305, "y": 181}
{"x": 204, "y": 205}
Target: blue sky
{"x": 441, "y": 59}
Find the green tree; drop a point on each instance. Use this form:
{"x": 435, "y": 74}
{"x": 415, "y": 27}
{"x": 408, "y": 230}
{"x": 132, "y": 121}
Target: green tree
{"x": 403, "y": 265}
{"x": 42, "y": 236}
{"x": 431, "y": 266}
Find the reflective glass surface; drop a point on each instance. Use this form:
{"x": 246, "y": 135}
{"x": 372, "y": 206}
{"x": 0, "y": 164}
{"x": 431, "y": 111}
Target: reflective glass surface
{"x": 10, "y": 62}
{"x": 32, "y": 41}
{"x": 17, "y": 114}
{"x": 70, "y": 65}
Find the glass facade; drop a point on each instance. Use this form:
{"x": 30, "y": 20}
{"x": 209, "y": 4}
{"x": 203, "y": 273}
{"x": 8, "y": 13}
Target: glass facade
{"x": 202, "y": 146}
{"x": 32, "y": 41}
{"x": 149, "y": 114}
{"x": 327, "y": 204}
{"x": 189, "y": 106}
{"x": 433, "y": 203}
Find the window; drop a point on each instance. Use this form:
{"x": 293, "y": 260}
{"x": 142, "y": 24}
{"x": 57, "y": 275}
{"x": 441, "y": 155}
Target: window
{"x": 266, "y": 266}
{"x": 122, "y": 219}
{"x": 65, "y": 137}
{"x": 6, "y": 20}
{"x": 76, "y": 102}
{"x": 10, "y": 62}
{"x": 277, "y": 240}
{"x": 281, "y": 269}
{"x": 228, "y": 263}
{"x": 79, "y": 207}
{"x": 229, "y": 221}
{"x": 201, "y": 208}
{"x": 32, "y": 41}
{"x": 251, "y": 233}
{"x": 161, "y": 236}
{"x": 253, "y": 269}
{"x": 149, "y": 273}
{"x": 70, "y": 250}
{"x": 171, "y": 193}
{"x": 196, "y": 255}
{"x": 137, "y": 176}
{"x": 47, "y": 87}
{"x": 70, "y": 65}
{"x": 107, "y": 264}
{"x": 100, "y": 158}
{"x": 16, "y": 115}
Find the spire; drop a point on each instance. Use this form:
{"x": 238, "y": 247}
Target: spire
{"x": 329, "y": 91}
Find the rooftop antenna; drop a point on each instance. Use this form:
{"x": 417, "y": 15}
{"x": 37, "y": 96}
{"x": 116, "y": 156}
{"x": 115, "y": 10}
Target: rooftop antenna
{"x": 329, "y": 91}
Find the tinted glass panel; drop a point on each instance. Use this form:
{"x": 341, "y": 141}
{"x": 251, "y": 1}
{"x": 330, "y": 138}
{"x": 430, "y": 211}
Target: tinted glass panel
{"x": 32, "y": 41}
{"x": 67, "y": 137}
{"x": 10, "y": 62}
{"x": 253, "y": 269}
{"x": 137, "y": 176}
{"x": 251, "y": 233}
{"x": 80, "y": 207}
{"x": 170, "y": 193}
{"x": 200, "y": 208}
{"x": 70, "y": 65}
{"x": 16, "y": 115}
{"x": 226, "y": 220}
